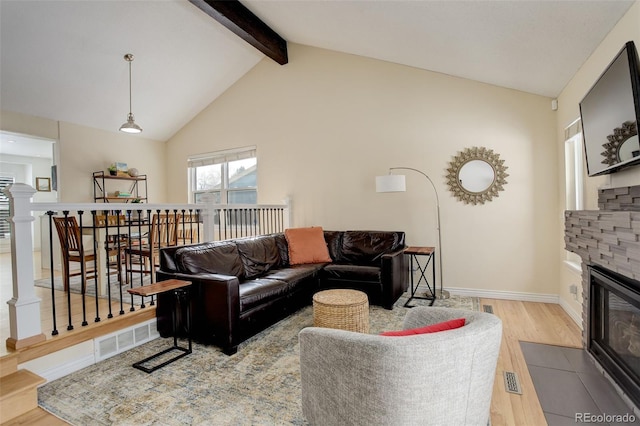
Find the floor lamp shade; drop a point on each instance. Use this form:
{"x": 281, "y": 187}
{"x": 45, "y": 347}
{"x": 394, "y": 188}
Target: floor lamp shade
{"x": 391, "y": 183}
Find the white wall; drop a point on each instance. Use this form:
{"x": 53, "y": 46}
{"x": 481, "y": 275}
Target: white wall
{"x": 628, "y": 28}
{"x": 327, "y": 123}
{"x": 25, "y": 170}
{"x": 83, "y": 150}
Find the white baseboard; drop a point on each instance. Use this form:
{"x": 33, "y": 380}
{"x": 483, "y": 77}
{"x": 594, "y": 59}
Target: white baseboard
{"x": 509, "y": 295}
{"x": 524, "y": 297}
{"x": 575, "y": 316}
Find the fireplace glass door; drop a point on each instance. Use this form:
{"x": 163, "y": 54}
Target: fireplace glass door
{"x": 615, "y": 328}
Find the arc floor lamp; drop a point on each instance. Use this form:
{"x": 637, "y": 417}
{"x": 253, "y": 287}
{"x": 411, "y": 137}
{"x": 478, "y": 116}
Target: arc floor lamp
{"x": 397, "y": 183}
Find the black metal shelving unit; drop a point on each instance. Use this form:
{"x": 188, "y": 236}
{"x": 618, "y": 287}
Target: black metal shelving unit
{"x": 137, "y": 188}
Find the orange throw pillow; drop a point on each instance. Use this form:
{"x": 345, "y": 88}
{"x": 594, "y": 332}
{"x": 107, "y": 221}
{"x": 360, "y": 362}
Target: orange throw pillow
{"x": 307, "y": 245}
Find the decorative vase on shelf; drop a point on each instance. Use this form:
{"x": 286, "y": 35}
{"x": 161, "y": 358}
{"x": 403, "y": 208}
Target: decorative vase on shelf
{"x": 133, "y": 172}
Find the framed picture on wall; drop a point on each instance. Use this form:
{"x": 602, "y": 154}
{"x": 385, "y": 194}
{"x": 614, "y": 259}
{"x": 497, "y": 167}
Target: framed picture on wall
{"x": 43, "y": 184}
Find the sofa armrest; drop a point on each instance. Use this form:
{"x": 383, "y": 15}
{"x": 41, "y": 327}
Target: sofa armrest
{"x": 393, "y": 276}
{"x": 215, "y": 307}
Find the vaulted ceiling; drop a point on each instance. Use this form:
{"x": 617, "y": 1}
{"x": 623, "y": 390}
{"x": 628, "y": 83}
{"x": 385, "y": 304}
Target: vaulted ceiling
{"x": 63, "y": 60}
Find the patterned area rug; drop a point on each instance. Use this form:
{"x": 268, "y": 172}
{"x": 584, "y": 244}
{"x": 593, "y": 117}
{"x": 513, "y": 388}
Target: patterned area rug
{"x": 258, "y": 385}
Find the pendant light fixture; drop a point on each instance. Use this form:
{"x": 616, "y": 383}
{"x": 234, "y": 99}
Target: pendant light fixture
{"x": 130, "y": 126}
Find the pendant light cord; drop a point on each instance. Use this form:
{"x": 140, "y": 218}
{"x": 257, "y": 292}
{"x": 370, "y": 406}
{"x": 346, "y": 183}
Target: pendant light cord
{"x": 130, "y": 104}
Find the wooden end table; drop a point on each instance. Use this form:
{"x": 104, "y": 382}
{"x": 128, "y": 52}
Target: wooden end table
{"x": 180, "y": 291}
{"x": 430, "y": 253}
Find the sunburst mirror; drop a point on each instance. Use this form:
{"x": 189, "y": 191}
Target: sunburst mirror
{"x": 621, "y": 145}
{"x": 476, "y": 175}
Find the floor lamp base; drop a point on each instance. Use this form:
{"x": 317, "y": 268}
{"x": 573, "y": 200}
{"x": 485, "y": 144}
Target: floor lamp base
{"x": 442, "y": 294}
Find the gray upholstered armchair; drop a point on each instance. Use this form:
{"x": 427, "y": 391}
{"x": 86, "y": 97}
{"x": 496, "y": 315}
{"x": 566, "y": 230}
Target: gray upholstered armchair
{"x": 443, "y": 378}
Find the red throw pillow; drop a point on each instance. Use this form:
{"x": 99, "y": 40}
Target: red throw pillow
{"x": 433, "y": 328}
{"x": 307, "y": 245}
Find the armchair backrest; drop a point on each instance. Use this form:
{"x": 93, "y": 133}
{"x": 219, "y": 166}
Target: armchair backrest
{"x": 440, "y": 378}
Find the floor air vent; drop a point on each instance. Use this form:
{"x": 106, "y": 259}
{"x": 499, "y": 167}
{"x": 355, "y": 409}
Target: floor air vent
{"x": 511, "y": 382}
{"x": 487, "y": 308}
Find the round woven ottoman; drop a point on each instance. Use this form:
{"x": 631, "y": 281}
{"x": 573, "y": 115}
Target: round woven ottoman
{"x": 342, "y": 309}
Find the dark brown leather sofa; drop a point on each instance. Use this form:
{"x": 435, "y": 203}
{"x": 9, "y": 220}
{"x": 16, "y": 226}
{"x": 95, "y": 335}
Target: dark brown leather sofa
{"x": 244, "y": 285}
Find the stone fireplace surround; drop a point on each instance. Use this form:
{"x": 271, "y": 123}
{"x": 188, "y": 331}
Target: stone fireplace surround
{"x": 608, "y": 237}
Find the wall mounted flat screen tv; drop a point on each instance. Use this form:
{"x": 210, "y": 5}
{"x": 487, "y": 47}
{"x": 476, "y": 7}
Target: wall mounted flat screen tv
{"x": 610, "y": 113}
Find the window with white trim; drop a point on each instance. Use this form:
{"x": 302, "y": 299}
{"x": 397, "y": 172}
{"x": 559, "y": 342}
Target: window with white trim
{"x": 5, "y": 226}
{"x": 230, "y": 176}
{"x": 574, "y": 173}
{"x": 574, "y": 167}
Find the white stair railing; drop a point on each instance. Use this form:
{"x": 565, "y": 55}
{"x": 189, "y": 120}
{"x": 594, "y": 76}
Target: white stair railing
{"x": 212, "y": 222}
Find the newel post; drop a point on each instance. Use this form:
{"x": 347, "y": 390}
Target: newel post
{"x": 208, "y": 217}
{"x": 287, "y": 213}
{"x": 24, "y": 306}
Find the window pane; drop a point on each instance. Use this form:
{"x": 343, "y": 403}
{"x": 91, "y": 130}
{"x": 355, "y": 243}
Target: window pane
{"x": 197, "y": 196}
{"x": 208, "y": 177}
{"x": 574, "y": 181}
{"x": 223, "y": 173}
{"x": 5, "y": 226}
{"x": 574, "y": 172}
{"x": 247, "y": 196}
{"x": 242, "y": 173}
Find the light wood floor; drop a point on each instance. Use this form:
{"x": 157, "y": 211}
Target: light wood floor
{"x": 530, "y": 322}
{"x": 522, "y": 321}
{"x": 46, "y": 312}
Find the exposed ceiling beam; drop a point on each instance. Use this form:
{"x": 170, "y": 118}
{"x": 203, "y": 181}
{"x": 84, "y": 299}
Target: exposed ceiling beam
{"x": 237, "y": 18}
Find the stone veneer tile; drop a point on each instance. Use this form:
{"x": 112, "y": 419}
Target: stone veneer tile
{"x": 620, "y": 199}
{"x": 609, "y": 237}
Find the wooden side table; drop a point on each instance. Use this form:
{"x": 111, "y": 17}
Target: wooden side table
{"x": 430, "y": 253}
{"x": 342, "y": 309}
{"x": 181, "y": 293}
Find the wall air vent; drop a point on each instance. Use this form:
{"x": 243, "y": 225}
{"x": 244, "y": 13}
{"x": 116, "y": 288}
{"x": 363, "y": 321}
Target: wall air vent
{"x": 125, "y": 339}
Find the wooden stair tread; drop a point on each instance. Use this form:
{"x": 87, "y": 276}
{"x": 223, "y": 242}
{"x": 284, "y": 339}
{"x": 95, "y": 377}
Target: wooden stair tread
{"x": 8, "y": 364}
{"x": 36, "y": 417}
{"x": 16, "y": 382}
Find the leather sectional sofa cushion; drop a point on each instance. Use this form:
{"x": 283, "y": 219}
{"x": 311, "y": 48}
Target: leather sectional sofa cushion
{"x": 259, "y": 255}
{"x": 214, "y": 258}
{"x": 242, "y": 286}
{"x": 369, "y": 261}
